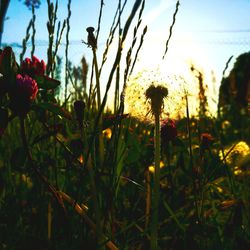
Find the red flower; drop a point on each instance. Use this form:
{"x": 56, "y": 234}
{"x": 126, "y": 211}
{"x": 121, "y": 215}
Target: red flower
{"x": 168, "y": 130}
{"x": 206, "y": 140}
{"x": 33, "y": 67}
{"x": 26, "y": 87}
{"x": 23, "y": 94}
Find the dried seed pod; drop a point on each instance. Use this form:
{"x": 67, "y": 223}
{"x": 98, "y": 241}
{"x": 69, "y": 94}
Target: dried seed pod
{"x": 91, "y": 38}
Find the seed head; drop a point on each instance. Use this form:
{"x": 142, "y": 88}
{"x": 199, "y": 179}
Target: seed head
{"x": 156, "y": 95}
{"x": 91, "y": 38}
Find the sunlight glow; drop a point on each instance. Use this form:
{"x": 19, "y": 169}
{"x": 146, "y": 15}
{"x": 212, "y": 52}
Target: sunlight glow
{"x": 158, "y": 11}
{"x": 176, "y": 70}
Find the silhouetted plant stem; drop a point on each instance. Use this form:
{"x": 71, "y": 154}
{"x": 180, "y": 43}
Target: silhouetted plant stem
{"x": 33, "y": 31}
{"x": 116, "y": 98}
{"x": 100, "y": 135}
{"x": 171, "y": 27}
{"x": 156, "y": 193}
{"x": 97, "y": 78}
{"x": 116, "y": 62}
{"x": 58, "y": 41}
{"x": 67, "y": 51}
{"x": 25, "y": 40}
{"x": 111, "y": 34}
{"x": 156, "y": 95}
{"x": 99, "y": 19}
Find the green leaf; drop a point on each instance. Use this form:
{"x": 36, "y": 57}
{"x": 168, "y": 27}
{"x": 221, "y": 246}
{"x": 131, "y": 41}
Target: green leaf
{"x": 55, "y": 109}
{"x": 47, "y": 83}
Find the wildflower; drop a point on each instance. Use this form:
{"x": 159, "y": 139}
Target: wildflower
{"x": 26, "y": 87}
{"x": 206, "y": 141}
{"x": 33, "y": 67}
{"x": 233, "y": 155}
{"x": 107, "y": 133}
{"x": 23, "y": 94}
{"x": 168, "y": 130}
{"x": 151, "y": 168}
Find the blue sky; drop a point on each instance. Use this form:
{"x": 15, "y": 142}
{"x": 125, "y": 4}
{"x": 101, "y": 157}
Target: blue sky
{"x": 215, "y": 26}
{"x": 206, "y": 33}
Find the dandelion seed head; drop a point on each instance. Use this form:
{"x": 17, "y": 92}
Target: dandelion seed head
{"x": 138, "y": 103}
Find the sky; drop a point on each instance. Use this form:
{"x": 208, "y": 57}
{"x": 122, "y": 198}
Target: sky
{"x": 206, "y": 34}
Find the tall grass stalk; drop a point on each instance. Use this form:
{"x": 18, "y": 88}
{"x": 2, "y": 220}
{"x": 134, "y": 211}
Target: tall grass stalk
{"x": 116, "y": 62}
{"x": 93, "y": 45}
{"x": 171, "y": 28}
{"x": 25, "y": 40}
{"x": 67, "y": 51}
{"x": 112, "y": 31}
{"x": 52, "y": 16}
{"x": 33, "y": 31}
{"x": 117, "y": 82}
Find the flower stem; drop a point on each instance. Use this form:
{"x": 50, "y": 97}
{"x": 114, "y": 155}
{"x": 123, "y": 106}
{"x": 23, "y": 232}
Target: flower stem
{"x": 156, "y": 193}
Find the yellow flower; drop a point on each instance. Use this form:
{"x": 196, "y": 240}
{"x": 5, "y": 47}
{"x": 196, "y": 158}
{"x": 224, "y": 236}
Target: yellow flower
{"x": 27, "y": 180}
{"x": 151, "y": 168}
{"x": 107, "y": 133}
